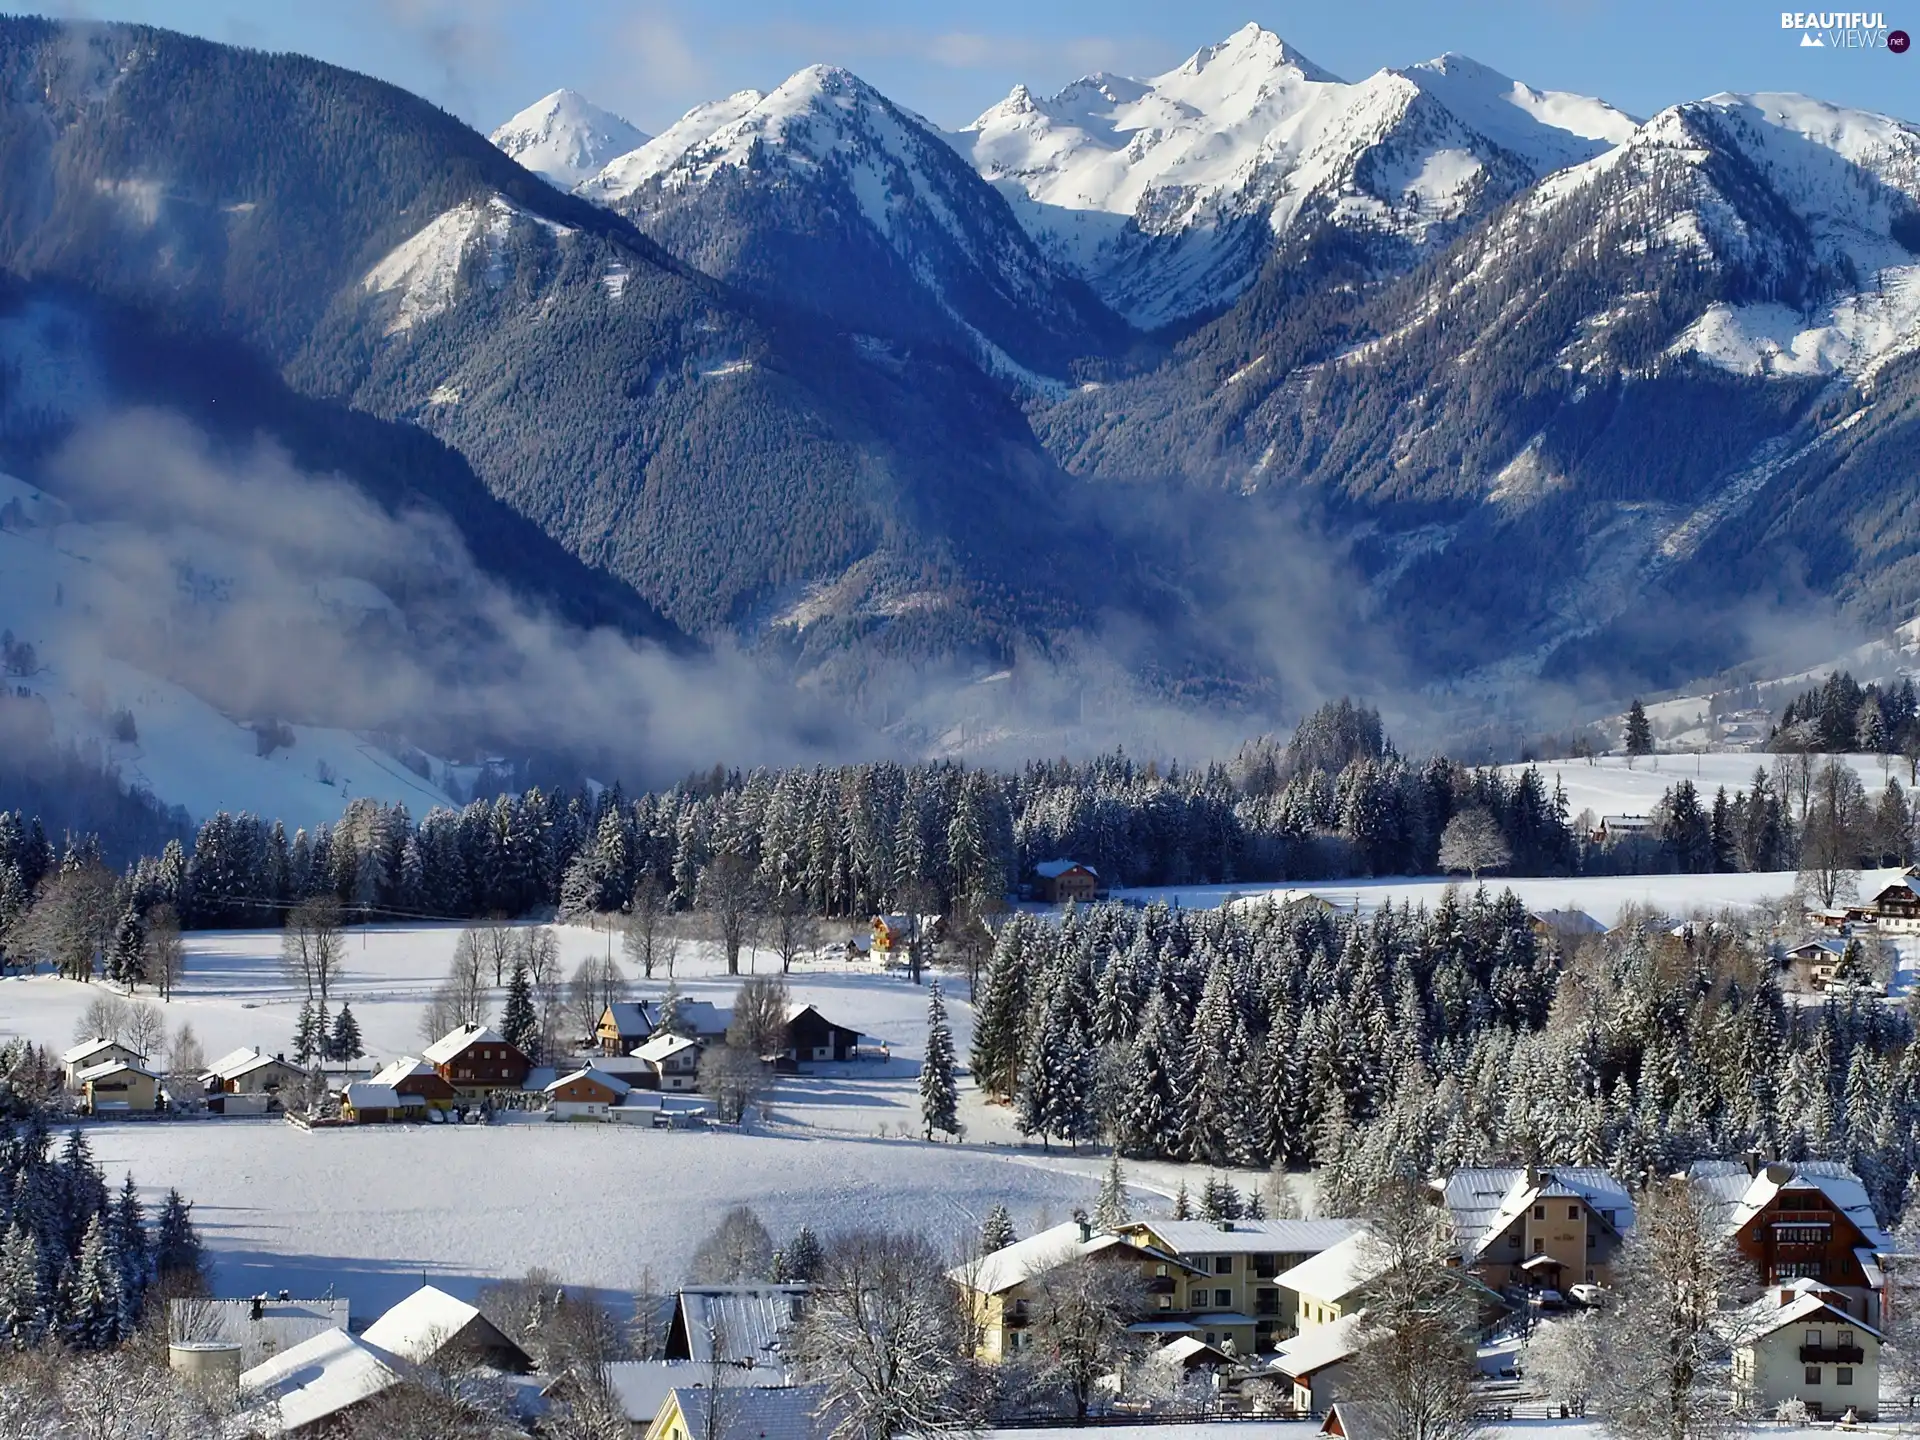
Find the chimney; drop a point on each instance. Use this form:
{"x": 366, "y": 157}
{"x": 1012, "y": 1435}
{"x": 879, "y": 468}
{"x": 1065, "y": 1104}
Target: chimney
{"x": 1786, "y": 1296}
{"x": 1779, "y": 1172}
{"x": 1754, "y": 1160}
{"x": 1226, "y": 1225}
{"x": 1532, "y": 1175}
{"x": 286, "y": 1295}
{"x": 259, "y": 1306}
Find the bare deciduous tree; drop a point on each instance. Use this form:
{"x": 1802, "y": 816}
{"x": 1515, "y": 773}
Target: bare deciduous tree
{"x": 71, "y": 921}
{"x": 645, "y": 930}
{"x": 312, "y": 949}
{"x": 881, "y": 1332}
{"x": 759, "y": 1024}
{"x": 739, "y": 1248}
{"x": 734, "y": 1079}
{"x": 166, "y": 954}
{"x": 1472, "y": 842}
{"x": 184, "y": 1055}
{"x": 1079, "y": 1316}
{"x": 790, "y": 929}
{"x": 146, "y": 1029}
{"x": 727, "y": 892}
{"x": 105, "y": 1018}
{"x": 1565, "y": 1358}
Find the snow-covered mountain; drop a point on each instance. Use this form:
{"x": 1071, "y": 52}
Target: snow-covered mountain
{"x": 1167, "y": 193}
{"x": 565, "y": 138}
{"x": 826, "y": 191}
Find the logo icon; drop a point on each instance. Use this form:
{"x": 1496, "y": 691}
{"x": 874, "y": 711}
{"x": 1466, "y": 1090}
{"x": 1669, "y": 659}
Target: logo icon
{"x": 1811, "y": 41}
{"x": 1898, "y": 41}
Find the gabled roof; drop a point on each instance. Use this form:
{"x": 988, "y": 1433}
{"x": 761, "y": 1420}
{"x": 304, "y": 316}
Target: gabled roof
{"x": 796, "y": 1412}
{"x": 1054, "y": 869}
{"x": 1319, "y": 1347}
{"x": 1741, "y": 1196}
{"x": 1568, "y": 922}
{"x": 1192, "y": 1350}
{"x": 430, "y": 1320}
{"x": 631, "y": 1017}
{"x": 1019, "y": 1262}
{"x": 227, "y": 1066}
{"x": 317, "y": 1379}
{"x": 371, "y": 1095}
{"x": 703, "y": 1016}
{"x": 99, "y": 1045}
{"x": 1256, "y": 1237}
{"x": 1334, "y": 1273}
{"x": 664, "y": 1047}
{"x": 455, "y": 1041}
{"x": 641, "y": 1387}
{"x": 598, "y": 1076}
{"x": 1811, "y": 1299}
{"x": 1485, "y": 1200}
{"x": 1829, "y": 944}
{"x": 750, "y": 1321}
{"x": 405, "y": 1068}
{"x": 110, "y": 1067}
{"x": 801, "y": 1007}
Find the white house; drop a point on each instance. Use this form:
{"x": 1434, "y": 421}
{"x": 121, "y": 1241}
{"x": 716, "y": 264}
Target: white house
{"x": 98, "y": 1051}
{"x": 675, "y": 1061}
{"x": 1798, "y": 1342}
{"x": 1316, "y": 1362}
{"x": 586, "y": 1094}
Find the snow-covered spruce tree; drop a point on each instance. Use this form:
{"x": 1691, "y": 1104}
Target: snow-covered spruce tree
{"x": 996, "y": 1230}
{"x": 1219, "y": 1200}
{"x": 132, "y": 1254}
{"x": 126, "y": 956}
{"x": 1182, "y": 1203}
{"x": 519, "y": 1021}
{"x": 1110, "y": 1209}
{"x": 23, "y": 1294}
{"x": 801, "y": 1256}
{"x": 344, "y": 1044}
{"x": 939, "y": 1096}
{"x": 306, "y": 1043}
{"x": 179, "y": 1258}
{"x": 1000, "y": 1013}
{"x": 93, "y": 1315}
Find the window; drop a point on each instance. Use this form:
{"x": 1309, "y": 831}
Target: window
{"x": 1160, "y": 1271}
{"x": 1539, "y": 1245}
{"x": 1539, "y": 1212}
{"x": 1223, "y": 1264}
{"x": 1199, "y": 1297}
{"x": 1844, "y": 1339}
{"x": 1813, "y": 1338}
{"x": 1843, "y": 1375}
{"x": 1222, "y": 1299}
{"x": 1573, "y": 1212}
{"x": 1813, "y": 1374}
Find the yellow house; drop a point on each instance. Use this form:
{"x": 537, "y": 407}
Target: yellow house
{"x": 785, "y": 1412}
{"x": 1522, "y": 1227}
{"x": 1328, "y": 1287}
{"x": 1801, "y": 1344}
{"x": 1000, "y": 1289}
{"x": 1233, "y": 1291}
{"x": 116, "y": 1086}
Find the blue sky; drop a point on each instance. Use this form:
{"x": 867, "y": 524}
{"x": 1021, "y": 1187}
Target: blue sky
{"x": 484, "y": 59}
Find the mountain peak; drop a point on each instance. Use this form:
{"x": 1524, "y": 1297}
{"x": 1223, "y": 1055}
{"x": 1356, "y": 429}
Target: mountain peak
{"x": 564, "y": 137}
{"x": 1253, "y": 46}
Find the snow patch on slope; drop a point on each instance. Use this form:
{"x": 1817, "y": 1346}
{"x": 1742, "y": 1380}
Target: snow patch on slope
{"x": 423, "y": 271}
{"x": 626, "y": 173}
{"x": 564, "y": 138}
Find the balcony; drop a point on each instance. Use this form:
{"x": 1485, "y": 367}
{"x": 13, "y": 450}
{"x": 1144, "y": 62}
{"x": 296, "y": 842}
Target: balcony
{"x": 1832, "y": 1355}
{"x": 1160, "y": 1285}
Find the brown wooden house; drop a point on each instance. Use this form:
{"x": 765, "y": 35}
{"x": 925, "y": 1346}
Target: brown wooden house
{"x": 1059, "y": 881}
{"x": 1808, "y": 1219}
{"x": 811, "y": 1037}
{"x": 1898, "y": 906}
{"x": 625, "y": 1026}
{"x": 411, "y": 1077}
{"x": 476, "y": 1059}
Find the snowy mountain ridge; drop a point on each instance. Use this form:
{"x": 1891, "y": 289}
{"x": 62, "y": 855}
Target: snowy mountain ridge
{"x": 564, "y": 137}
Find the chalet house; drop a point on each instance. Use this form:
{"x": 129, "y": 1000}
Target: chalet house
{"x": 1804, "y": 1220}
{"x": 624, "y": 1026}
{"x": 1615, "y": 828}
{"x": 1799, "y": 1342}
{"x": 431, "y": 1327}
{"x": 476, "y": 1060}
{"x": 740, "y": 1327}
{"x": 116, "y": 1086}
{"x": 1522, "y": 1228}
{"x": 1318, "y": 1363}
{"x": 97, "y": 1051}
{"x": 368, "y": 1102}
{"x": 585, "y": 1095}
{"x": 416, "y": 1078}
{"x": 890, "y": 933}
{"x": 674, "y": 1059}
{"x": 1059, "y": 881}
{"x": 1234, "y": 1291}
{"x": 1003, "y": 1289}
{"x": 789, "y": 1412}
{"x": 1898, "y": 906}
{"x": 249, "y": 1072}
{"x": 1564, "y": 928}
{"x": 810, "y": 1037}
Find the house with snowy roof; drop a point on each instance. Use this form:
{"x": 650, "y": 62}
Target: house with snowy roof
{"x": 1801, "y": 1342}
{"x": 250, "y": 1071}
{"x": 314, "y": 1386}
{"x": 1059, "y": 881}
{"x": 1800, "y": 1220}
{"x": 476, "y": 1060}
{"x": 673, "y": 1059}
{"x": 431, "y": 1327}
{"x": 789, "y": 1412}
{"x": 116, "y": 1087}
{"x": 624, "y": 1025}
{"x": 95, "y": 1052}
{"x": 640, "y": 1387}
{"x": 1897, "y": 907}
{"x": 1000, "y": 1288}
{"x": 585, "y": 1094}
{"x": 261, "y": 1325}
{"x": 1327, "y": 1287}
{"x": 701, "y": 1019}
{"x": 1811, "y": 963}
{"x": 413, "y": 1077}
{"x": 810, "y": 1038}
{"x": 743, "y": 1327}
{"x": 1522, "y": 1227}
{"x": 1564, "y": 927}
{"x": 367, "y": 1102}
{"x": 1234, "y": 1290}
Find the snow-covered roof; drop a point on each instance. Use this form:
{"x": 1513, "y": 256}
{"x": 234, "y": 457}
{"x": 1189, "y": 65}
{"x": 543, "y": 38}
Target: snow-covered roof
{"x": 371, "y": 1095}
{"x": 1742, "y": 1196}
{"x": 703, "y": 1017}
{"x": 227, "y": 1066}
{"x": 1485, "y": 1200}
{"x": 280, "y": 1325}
{"x": 631, "y": 1017}
{"x": 1054, "y": 869}
{"x": 1568, "y": 922}
{"x": 1319, "y": 1347}
{"x": 1259, "y": 1237}
{"x": 641, "y": 1387}
{"x": 405, "y": 1068}
{"x": 593, "y": 1073}
{"x": 793, "y": 1412}
{"x": 664, "y": 1047}
{"x": 752, "y": 1321}
{"x": 1826, "y": 944}
{"x": 1810, "y": 1299}
{"x": 317, "y": 1379}
{"x": 1627, "y": 822}
{"x": 621, "y": 1065}
{"x": 1014, "y": 1264}
{"x": 110, "y": 1067}
{"x": 429, "y": 1320}
{"x": 96, "y": 1046}
{"x": 1188, "y": 1348}
{"x": 1334, "y": 1273}
{"x": 455, "y": 1041}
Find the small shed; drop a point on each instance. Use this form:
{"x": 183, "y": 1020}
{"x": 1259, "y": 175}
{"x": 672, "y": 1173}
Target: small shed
{"x": 367, "y": 1102}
